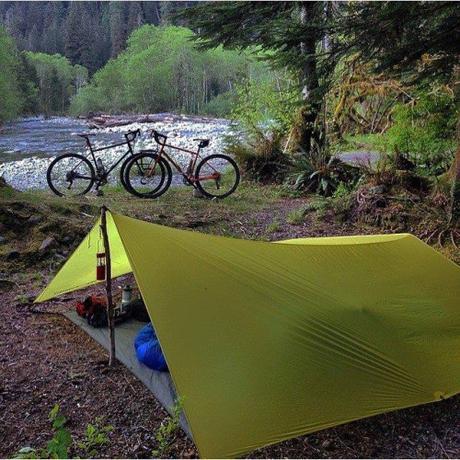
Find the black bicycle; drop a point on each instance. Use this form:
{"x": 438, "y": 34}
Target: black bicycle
{"x": 73, "y": 174}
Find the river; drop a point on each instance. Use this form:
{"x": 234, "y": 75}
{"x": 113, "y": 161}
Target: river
{"x": 27, "y": 146}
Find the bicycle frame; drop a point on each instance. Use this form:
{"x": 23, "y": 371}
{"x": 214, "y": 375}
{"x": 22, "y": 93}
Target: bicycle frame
{"x": 92, "y": 151}
{"x": 191, "y": 167}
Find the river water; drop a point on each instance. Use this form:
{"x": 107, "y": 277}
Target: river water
{"x": 27, "y": 146}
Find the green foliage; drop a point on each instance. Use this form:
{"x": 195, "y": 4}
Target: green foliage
{"x": 425, "y": 130}
{"x": 268, "y": 99}
{"x": 10, "y": 96}
{"x": 321, "y": 173}
{"x": 296, "y": 217}
{"x": 274, "y": 226}
{"x": 161, "y": 70}
{"x": 342, "y": 190}
{"x": 58, "y": 446}
{"x": 220, "y": 106}
{"x": 260, "y": 156}
{"x": 58, "y": 80}
{"x": 96, "y": 435}
{"x": 87, "y": 33}
{"x": 402, "y": 47}
{"x": 165, "y": 433}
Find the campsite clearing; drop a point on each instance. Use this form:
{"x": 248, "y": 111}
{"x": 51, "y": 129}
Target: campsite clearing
{"x": 69, "y": 368}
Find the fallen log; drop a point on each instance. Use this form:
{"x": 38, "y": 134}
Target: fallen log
{"x": 100, "y": 121}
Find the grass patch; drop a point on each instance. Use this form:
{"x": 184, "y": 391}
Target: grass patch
{"x": 296, "y": 217}
{"x": 274, "y": 227}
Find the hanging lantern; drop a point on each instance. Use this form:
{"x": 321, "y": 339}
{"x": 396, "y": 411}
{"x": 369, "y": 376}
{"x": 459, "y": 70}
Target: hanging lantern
{"x": 100, "y": 267}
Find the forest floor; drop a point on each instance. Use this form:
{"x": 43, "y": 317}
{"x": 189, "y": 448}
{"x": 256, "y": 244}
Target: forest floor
{"x": 45, "y": 359}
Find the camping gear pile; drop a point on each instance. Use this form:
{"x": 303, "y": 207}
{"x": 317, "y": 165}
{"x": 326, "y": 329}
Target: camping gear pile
{"x": 270, "y": 341}
{"x": 94, "y": 308}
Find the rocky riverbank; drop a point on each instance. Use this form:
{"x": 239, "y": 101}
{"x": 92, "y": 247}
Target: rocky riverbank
{"x": 30, "y": 172}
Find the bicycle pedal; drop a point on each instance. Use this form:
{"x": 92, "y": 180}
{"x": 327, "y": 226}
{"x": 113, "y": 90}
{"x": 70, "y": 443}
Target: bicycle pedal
{"x": 99, "y": 192}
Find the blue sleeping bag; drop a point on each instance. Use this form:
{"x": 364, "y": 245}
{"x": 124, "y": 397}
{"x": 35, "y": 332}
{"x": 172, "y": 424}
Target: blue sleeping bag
{"x": 148, "y": 350}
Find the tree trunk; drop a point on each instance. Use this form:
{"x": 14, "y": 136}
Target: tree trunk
{"x": 304, "y": 125}
{"x": 108, "y": 286}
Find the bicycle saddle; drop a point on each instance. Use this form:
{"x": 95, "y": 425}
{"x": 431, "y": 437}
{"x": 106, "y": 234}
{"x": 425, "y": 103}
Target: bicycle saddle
{"x": 85, "y": 134}
{"x": 203, "y": 143}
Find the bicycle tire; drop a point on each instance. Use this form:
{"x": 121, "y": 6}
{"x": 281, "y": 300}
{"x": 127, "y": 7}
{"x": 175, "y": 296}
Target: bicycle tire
{"x": 203, "y": 162}
{"x": 125, "y": 163}
{"x": 58, "y": 159}
{"x": 165, "y": 181}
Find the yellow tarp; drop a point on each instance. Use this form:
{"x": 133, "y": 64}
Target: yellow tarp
{"x": 270, "y": 341}
{"x": 80, "y": 270}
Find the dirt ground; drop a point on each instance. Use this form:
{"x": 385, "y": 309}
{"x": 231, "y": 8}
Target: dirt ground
{"x": 45, "y": 359}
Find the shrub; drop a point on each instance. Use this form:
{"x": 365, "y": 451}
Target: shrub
{"x": 96, "y": 435}
{"x": 296, "y": 217}
{"x": 260, "y": 156}
{"x": 425, "y": 130}
{"x": 266, "y": 101}
{"x": 319, "y": 172}
{"x": 58, "y": 446}
{"x": 220, "y": 106}
{"x": 164, "y": 434}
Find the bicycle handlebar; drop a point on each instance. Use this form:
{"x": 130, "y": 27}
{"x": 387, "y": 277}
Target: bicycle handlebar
{"x": 133, "y": 135}
{"x": 158, "y": 136}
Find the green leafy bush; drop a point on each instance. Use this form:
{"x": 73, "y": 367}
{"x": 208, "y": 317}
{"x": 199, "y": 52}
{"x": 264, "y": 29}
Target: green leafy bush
{"x": 425, "y": 130}
{"x": 220, "y": 106}
{"x": 17, "y": 88}
{"x": 96, "y": 435}
{"x": 267, "y": 100}
{"x": 165, "y": 434}
{"x": 260, "y": 156}
{"x": 320, "y": 172}
{"x": 58, "y": 446}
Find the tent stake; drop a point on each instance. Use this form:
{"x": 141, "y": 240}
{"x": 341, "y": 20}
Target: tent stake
{"x": 108, "y": 286}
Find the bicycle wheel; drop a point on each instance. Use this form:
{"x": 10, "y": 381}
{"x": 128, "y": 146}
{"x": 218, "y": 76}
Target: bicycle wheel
{"x": 70, "y": 175}
{"x": 146, "y": 176}
{"x": 125, "y": 164}
{"x": 217, "y": 176}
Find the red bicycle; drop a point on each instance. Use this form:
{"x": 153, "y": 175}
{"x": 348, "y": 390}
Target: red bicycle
{"x": 148, "y": 174}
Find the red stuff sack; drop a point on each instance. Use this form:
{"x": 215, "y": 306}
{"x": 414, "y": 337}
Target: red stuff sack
{"x": 81, "y": 309}
{"x": 93, "y": 309}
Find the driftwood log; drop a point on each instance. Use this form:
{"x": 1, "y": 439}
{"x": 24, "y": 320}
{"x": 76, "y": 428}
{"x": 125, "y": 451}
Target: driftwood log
{"x": 98, "y": 121}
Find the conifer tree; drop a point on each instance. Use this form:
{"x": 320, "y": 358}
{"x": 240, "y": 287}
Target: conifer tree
{"x": 292, "y": 35}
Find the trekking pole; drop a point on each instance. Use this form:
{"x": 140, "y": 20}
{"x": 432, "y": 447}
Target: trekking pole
{"x": 108, "y": 286}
